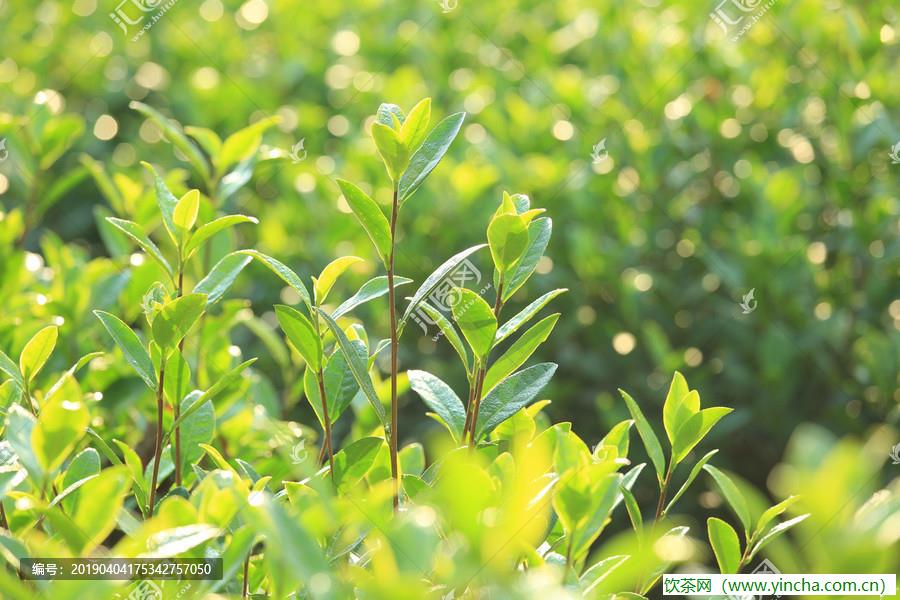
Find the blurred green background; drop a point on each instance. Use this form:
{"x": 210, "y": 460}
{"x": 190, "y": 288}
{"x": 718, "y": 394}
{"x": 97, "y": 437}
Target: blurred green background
{"x": 758, "y": 164}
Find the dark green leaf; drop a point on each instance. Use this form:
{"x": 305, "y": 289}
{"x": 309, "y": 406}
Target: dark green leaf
{"x": 222, "y": 276}
{"x": 302, "y": 335}
{"x": 134, "y": 231}
{"x": 370, "y": 217}
{"x": 429, "y": 154}
{"x": 539, "y": 231}
{"x": 511, "y": 394}
{"x": 370, "y": 290}
{"x": 438, "y": 396}
{"x": 127, "y": 340}
{"x": 358, "y": 367}
{"x": 651, "y": 442}
{"x": 432, "y": 281}
{"x": 174, "y": 135}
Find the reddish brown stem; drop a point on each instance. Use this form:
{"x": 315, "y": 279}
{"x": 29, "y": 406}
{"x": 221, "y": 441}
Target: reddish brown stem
{"x": 327, "y": 422}
{"x": 157, "y": 453}
{"x": 395, "y": 471}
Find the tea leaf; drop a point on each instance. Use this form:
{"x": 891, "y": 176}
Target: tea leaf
{"x": 476, "y": 320}
{"x": 340, "y": 385}
{"x": 185, "y": 214}
{"x": 450, "y": 334}
{"x": 370, "y": 217}
{"x": 775, "y": 532}
{"x": 136, "y": 469}
{"x": 525, "y": 315}
{"x": 438, "y": 396}
{"x": 37, "y": 351}
{"x": 695, "y": 429}
{"x": 285, "y": 273}
{"x": 85, "y": 464}
{"x": 329, "y": 275}
{"x": 617, "y": 437}
{"x": 539, "y": 231}
{"x": 508, "y": 239}
{"x": 695, "y": 470}
{"x": 222, "y": 276}
{"x": 732, "y": 494}
{"x": 208, "y": 139}
{"x": 60, "y": 425}
{"x": 432, "y": 281}
{"x": 97, "y": 518}
{"x": 176, "y": 318}
{"x": 725, "y": 545}
{"x": 353, "y": 462}
{"x": 391, "y": 148}
{"x": 127, "y": 340}
{"x": 134, "y": 231}
{"x": 175, "y": 137}
{"x": 511, "y": 394}
{"x": 370, "y": 290}
{"x": 651, "y": 442}
{"x": 224, "y": 382}
{"x": 243, "y": 143}
{"x": 10, "y": 368}
{"x": 773, "y": 512}
{"x": 678, "y": 408}
{"x": 207, "y": 230}
{"x": 414, "y": 128}
{"x": 429, "y": 154}
{"x": 388, "y": 112}
{"x": 302, "y": 334}
{"x": 198, "y": 428}
{"x": 358, "y": 367}
{"x": 520, "y": 351}
{"x": 166, "y": 201}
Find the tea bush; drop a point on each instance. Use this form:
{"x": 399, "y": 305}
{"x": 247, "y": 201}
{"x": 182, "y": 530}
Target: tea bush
{"x": 135, "y": 426}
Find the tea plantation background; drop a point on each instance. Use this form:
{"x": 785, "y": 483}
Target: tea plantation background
{"x": 721, "y": 167}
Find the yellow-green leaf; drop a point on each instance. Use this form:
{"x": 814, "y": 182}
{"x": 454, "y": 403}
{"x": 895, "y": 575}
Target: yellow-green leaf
{"x": 330, "y": 273}
{"x": 36, "y": 352}
{"x": 60, "y": 425}
{"x": 415, "y": 127}
{"x": 185, "y": 213}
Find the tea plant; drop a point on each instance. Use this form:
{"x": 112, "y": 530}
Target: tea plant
{"x": 501, "y": 502}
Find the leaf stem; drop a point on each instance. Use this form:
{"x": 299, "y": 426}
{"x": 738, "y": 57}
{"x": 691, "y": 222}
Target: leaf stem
{"x": 327, "y": 421}
{"x": 395, "y": 209}
{"x": 482, "y": 371}
{"x": 245, "y": 586}
{"x": 157, "y": 453}
{"x": 663, "y": 489}
{"x": 176, "y": 402}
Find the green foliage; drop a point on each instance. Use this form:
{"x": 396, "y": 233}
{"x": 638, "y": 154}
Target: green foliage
{"x": 215, "y": 455}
